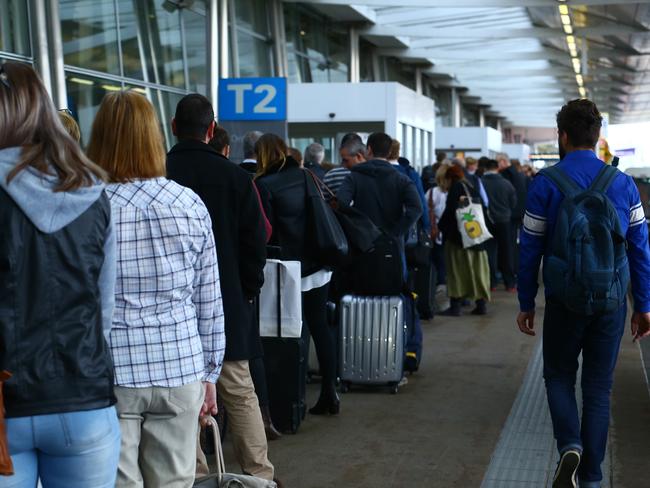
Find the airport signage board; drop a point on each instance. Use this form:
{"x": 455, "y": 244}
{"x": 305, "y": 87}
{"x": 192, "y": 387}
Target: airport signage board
{"x": 251, "y": 99}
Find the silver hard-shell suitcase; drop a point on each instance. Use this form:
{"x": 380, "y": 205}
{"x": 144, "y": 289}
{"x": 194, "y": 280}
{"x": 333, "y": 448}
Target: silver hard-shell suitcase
{"x": 372, "y": 341}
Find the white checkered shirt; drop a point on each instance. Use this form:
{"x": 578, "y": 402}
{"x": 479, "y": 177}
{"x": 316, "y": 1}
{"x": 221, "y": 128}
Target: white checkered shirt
{"x": 168, "y": 326}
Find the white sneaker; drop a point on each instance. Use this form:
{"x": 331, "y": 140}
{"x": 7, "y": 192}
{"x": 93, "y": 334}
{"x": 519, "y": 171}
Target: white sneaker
{"x": 567, "y": 469}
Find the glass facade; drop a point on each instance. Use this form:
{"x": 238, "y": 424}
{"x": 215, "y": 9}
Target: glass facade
{"x": 159, "y": 48}
{"x": 151, "y": 46}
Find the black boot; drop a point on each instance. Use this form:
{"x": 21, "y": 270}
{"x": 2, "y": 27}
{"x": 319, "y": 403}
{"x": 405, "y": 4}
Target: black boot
{"x": 454, "y": 308}
{"x": 272, "y": 433}
{"x": 328, "y": 402}
{"x": 481, "y": 308}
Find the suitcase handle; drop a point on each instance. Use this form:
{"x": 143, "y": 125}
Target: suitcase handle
{"x": 210, "y": 422}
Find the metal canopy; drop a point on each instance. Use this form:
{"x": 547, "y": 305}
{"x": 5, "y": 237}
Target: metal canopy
{"x": 514, "y": 56}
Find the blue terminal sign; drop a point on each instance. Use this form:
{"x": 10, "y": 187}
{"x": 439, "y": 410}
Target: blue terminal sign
{"x": 253, "y": 99}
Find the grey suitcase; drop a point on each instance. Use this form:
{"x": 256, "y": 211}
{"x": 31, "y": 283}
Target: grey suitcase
{"x": 371, "y": 341}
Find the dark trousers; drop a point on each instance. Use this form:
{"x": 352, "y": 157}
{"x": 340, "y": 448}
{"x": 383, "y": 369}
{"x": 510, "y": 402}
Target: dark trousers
{"x": 501, "y": 254}
{"x": 314, "y": 312}
{"x": 515, "y": 229}
{"x": 258, "y": 374}
{"x": 566, "y": 334}
{"x": 439, "y": 263}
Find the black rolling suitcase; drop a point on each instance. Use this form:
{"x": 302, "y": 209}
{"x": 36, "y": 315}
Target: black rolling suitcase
{"x": 285, "y": 361}
{"x": 286, "y": 373}
{"x": 425, "y": 289}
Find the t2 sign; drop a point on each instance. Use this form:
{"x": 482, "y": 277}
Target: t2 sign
{"x": 253, "y": 99}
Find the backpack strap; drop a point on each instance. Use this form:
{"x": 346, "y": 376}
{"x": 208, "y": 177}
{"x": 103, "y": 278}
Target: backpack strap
{"x": 604, "y": 179}
{"x": 564, "y": 183}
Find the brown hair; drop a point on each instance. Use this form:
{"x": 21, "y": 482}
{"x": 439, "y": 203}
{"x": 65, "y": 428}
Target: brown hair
{"x": 395, "y": 147}
{"x": 126, "y": 140}
{"x": 295, "y": 154}
{"x": 70, "y": 125}
{"x": 271, "y": 153}
{"x": 29, "y": 120}
{"x": 455, "y": 173}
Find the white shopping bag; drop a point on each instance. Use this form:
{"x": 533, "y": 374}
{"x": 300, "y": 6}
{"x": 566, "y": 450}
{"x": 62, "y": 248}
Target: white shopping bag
{"x": 471, "y": 225}
{"x": 281, "y": 300}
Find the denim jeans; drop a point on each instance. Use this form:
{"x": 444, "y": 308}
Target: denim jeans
{"x": 598, "y": 338}
{"x": 67, "y": 450}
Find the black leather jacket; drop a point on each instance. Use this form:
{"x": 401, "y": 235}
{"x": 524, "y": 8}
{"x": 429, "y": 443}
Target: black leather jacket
{"x": 51, "y": 337}
{"x": 284, "y": 198}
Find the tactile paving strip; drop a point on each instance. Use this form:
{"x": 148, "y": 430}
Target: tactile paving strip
{"x": 525, "y": 455}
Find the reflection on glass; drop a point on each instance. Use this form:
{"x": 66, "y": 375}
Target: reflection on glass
{"x": 252, "y": 15}
{"x": 195, "y": 47}
{"x": 85, "y": 94}
{"x": 89, "y": 31}
{"x": 254, "y": 56}
{"x": 14, "y": 27}
{"x": 132, "y": 40}
{"x": 165, "y": 103}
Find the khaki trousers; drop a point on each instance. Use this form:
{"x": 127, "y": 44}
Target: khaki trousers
{"x": 245, "y": 424}
{"x": 159, "y": 428}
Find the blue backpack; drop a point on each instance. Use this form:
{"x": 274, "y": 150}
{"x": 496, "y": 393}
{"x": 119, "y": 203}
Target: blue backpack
{"x": 587, "y": 269}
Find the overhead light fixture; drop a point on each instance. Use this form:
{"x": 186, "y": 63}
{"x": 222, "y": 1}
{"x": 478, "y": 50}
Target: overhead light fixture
{"x": 566, "y": 20}
{"x": 568, "y": 29}
{"x": 576, "y": 65}
{"x": 580, "y": 80}
{"x": 583, "y": 92}
{"x": 140, "y": 90}
{"x": 564, "y": 10}
{"x": 112, "y": 88}
{"x": 570, "y": 39}
{"x": 82, "y": 81}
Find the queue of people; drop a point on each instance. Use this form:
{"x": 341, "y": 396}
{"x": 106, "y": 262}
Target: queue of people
{"x": 130, "y": 277}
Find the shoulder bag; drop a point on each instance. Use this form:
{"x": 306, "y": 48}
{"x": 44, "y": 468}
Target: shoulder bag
{"x": 329, "y": 245}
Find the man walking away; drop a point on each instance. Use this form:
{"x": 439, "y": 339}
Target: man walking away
{"x": 228, "y": 193}
{"x": 314, "y": 155}
{"x": 353, "y": 152}
{"x": 250, "y": 158}
{"x": 586, "y": 220}
{"x": 503, "y": 199}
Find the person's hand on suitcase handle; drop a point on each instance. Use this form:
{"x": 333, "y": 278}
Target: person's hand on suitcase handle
{"x": 209, "y": 406}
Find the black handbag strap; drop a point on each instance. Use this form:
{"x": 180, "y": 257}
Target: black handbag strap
{"x": 279, "y": 284}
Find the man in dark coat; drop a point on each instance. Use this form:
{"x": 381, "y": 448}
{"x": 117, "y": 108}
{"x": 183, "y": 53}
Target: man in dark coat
{"x": 228, "y": 193}
{"x": 520, "y": 182}
{"x": 503, "y": 199}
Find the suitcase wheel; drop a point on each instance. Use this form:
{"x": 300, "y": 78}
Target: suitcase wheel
{"x": 394, "y": 388}
{"x": 345, "y": 387}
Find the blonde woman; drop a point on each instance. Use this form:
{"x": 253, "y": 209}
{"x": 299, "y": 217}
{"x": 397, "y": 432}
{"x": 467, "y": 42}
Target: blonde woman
{"x": 57, "y": 278}
{"x": 167, "y": 339}
{"x": 436, "y": 198}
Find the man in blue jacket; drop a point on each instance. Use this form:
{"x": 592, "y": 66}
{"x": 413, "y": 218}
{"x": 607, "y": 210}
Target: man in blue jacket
{"x": 566, "y": 333}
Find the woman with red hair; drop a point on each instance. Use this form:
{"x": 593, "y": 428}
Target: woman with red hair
{"x": 468, "y": 271}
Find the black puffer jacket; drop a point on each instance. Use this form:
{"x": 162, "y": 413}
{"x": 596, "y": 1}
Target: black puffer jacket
{"x": 51, "y": 336}
{"x": 284, "y": 198}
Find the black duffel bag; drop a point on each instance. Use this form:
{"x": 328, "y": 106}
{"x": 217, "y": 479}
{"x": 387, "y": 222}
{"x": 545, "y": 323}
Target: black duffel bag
{"x": 380, "y": 270}
{"x": 419, "y": 247}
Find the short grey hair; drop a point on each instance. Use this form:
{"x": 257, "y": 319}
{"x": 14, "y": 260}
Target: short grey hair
{"x": 354, "y": 147}
{"x": 314, "y": 154}
{"x": 249, "y": 143}
{"x": 459, "y": 162}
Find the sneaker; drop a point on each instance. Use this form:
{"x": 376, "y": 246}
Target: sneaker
{"x": 403, "y": 382}
{"x": 567, "y": 468}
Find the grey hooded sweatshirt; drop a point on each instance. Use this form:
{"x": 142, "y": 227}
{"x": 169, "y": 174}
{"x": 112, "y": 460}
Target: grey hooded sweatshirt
{"x": 51, "y": 211}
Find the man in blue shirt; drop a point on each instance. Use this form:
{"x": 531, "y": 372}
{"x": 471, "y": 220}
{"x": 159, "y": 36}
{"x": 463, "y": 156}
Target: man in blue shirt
{"x": 567, "y": 334}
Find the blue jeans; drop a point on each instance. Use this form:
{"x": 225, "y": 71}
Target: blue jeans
{"x": 599, "y": 337}
{"x": 67, "y": 450}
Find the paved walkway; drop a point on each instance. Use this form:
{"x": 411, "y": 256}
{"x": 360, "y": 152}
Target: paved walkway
{"x": 479, "y": 391}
